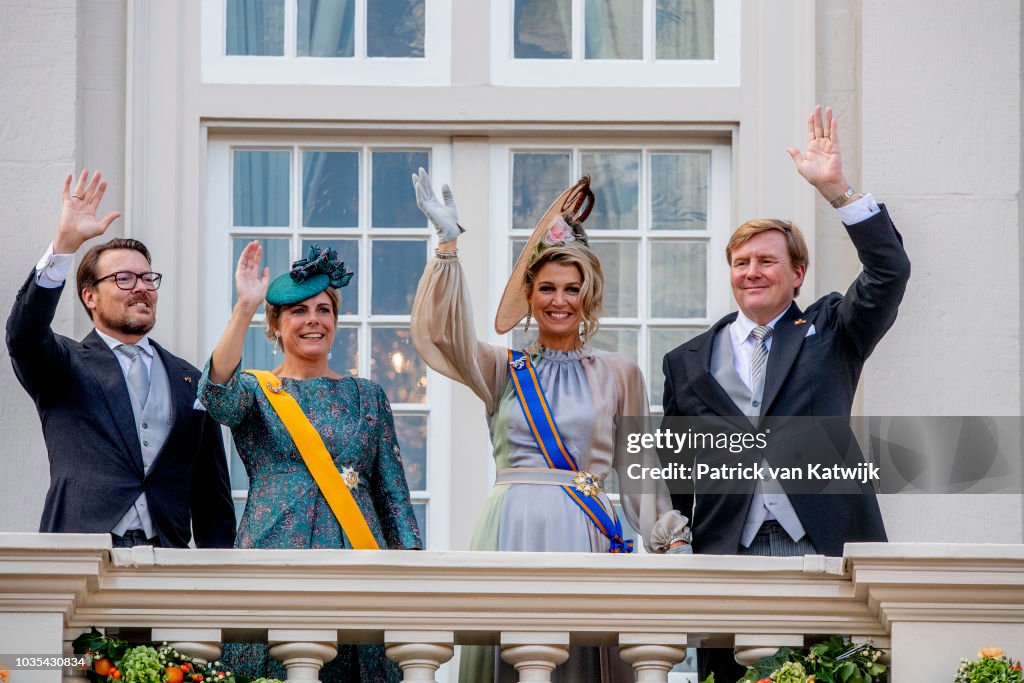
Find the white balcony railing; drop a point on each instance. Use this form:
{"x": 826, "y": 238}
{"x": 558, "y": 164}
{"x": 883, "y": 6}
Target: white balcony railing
{"x": 928, "y": 604}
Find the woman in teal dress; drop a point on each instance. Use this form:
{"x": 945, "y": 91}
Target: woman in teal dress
{"x": 285, "y": 507}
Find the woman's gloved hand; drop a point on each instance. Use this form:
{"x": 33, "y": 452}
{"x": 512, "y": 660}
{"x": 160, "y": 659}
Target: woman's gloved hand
{"x": 683, "y": 549}
{"x": 444, "y": 217}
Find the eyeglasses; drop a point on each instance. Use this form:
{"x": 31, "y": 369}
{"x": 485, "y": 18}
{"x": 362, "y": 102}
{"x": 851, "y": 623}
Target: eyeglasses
{"x": 125, "y": 279}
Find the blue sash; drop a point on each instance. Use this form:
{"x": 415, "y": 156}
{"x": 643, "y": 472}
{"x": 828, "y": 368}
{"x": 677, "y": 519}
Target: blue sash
{"x": 545, "y": 432}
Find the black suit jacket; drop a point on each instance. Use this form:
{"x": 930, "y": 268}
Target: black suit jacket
{"x": 96, "y": 468}
{"x": 813, "y": 375}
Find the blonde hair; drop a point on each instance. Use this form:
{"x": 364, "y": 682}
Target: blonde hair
{"x": 795, "y": 244}
{"x": 592, "y": 289}
{"x": 274, "y": 311}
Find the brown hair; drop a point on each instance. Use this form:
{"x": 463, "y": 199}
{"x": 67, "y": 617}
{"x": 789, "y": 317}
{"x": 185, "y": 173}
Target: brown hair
{"x": 87, "y": 276}
{"x": 795, "y": 244}
{"x": 592, "y": 291}
{"x": 274, "y": 311}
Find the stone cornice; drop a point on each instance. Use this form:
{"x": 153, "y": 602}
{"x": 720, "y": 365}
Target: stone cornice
{"x": 50, "y": 572}
{"x": 944, "y": 582}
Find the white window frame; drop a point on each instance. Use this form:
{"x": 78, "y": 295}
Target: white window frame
{"x": 218, "y": 236}
{"x": 434, "y": 68}
{"x": 723, "y": 70}
{"x": 720, "y": 184}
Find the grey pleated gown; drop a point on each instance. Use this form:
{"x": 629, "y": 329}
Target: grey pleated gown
{"x": 586, "y": 390}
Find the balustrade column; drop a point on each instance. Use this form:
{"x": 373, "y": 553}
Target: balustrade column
{"x": 882, "y": 643}
{"x": 303, "y": 652}
{"x": 534, "y": 655}
{"x": 72, "y": 674}
{"x": 751, "y": 648}
{"x": 652, "y": 655}
{"x": 202, "y": 644}
{"x": 419, "y": 653}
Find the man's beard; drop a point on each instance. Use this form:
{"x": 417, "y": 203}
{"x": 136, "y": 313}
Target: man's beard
{"x": 126, "y": 324}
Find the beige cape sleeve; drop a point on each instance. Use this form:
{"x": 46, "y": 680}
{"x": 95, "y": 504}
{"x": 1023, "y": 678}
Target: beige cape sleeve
{"x": 647, "y": 503}
{"x": 443, "y": 334}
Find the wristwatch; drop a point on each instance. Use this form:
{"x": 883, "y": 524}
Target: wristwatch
{"x": 841, "y": 199}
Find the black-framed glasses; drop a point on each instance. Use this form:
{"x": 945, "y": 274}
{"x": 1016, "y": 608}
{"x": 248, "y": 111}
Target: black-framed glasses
{"x": 125, "y": 279}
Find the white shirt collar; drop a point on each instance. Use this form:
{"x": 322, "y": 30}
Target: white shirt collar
{"x": 143, "y": 343}
{"x": 742, "y": 327}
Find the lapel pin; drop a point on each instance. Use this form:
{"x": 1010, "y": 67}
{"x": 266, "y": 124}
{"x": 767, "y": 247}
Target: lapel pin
{"x": 188, "y": 379}
{"x": 799, "y": 321}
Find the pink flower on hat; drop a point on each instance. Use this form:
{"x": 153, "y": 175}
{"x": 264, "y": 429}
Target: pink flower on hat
{"x": 559, "y": 233}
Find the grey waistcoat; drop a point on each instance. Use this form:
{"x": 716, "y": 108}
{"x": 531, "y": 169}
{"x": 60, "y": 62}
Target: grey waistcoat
{"x": 769, "y": 500}
{"x": 153, "y": 425}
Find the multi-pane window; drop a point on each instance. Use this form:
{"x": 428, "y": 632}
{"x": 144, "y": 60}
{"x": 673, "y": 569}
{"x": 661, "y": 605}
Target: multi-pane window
{"x": 614, "y": 29}
{"x": 615, "y": 42}
{"x": 326, "y": 41}
{"x": 657, "y": 226}
{"x": 358, "y": 200}
{"x": 325, "y": 28}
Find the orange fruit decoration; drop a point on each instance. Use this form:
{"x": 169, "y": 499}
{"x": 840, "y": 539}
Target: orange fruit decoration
{"x": 174, "y": 675}
{"x": 116, "y": 673}
{"x": 103, "y": 666}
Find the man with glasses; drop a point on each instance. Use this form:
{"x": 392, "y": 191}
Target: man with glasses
{"x": 132, "y": 453}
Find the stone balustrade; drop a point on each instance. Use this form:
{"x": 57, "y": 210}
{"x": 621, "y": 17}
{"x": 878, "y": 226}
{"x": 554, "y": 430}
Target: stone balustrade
{"x": 927, "y": 604}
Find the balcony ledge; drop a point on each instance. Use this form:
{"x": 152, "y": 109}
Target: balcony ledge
{"x": 892, "y": 593}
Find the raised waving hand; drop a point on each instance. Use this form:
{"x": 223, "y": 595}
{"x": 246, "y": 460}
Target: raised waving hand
{"x": 821, "y": 164}
{"x": 444, "y": 217}
{"x": 78, "y": 221}
{"x": 250, "y": 282}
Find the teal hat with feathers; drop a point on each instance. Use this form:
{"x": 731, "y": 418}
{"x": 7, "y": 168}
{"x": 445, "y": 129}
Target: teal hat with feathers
{"x": 308, "y": 277}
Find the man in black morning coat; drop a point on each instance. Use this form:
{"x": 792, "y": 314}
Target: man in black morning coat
{"x": 131, "y": 451}
{"x": 772, "y": 359}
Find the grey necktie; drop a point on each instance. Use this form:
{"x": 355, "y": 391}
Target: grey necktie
{"x": 138, "y": 373}
{"x": 761, "y": 334}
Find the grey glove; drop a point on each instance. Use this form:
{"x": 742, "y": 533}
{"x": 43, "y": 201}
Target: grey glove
{"x": 670, "y": 527}
{"x": 685, "y": 549}
{"x": 443, "y": 217}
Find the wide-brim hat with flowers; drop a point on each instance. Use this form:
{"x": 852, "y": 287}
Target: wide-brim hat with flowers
{"x": 308, "y": 277}
{"x": 560, "y": 225}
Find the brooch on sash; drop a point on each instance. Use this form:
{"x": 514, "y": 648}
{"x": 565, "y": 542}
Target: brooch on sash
{"x": 350, "y": 477}
{"x": 551, "y": 445}
{"x": 587, "y": 484}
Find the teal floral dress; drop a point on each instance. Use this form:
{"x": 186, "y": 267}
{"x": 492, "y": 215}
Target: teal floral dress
{"x": 285, "y": 508}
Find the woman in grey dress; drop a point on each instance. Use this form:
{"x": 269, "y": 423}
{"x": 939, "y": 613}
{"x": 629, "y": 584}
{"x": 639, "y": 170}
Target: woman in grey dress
{"x": 558, "y": 283}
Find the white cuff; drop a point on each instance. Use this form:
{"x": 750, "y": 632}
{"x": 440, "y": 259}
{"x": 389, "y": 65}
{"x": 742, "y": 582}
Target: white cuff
{"x": 52, "y": 269}
{"x": 859, "y": 210}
